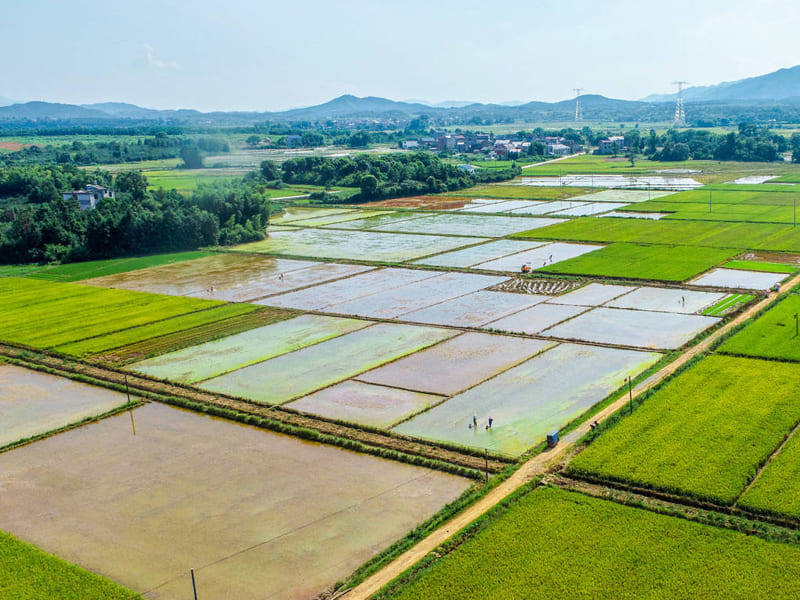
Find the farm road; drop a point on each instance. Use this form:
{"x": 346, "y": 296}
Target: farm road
{"x": 540, "y": 463}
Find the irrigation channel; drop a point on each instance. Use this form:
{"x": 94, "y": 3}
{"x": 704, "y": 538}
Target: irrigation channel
{"x": 542, "y": 463}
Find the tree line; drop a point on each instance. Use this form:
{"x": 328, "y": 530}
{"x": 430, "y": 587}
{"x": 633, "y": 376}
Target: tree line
{"x": 137, "y": 221}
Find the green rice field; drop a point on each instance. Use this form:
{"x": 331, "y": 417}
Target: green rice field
{"x": 777, "y": 489}
{"x": 45, "y": 314}
{"x": 727, "y": 304}
{"x": 754, "y": 236}
{"x": 566, "y": 545}
{"x": 99, "y": 268}
{"x": 772, "y": 335}
{"x": 757, "y": 265}
{"x": 27, "y": 573}
{"x": 636, "y": 261}
{"x": 704, "y": 434}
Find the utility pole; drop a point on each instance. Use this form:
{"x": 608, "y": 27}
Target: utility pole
{"x": 194, "y": 587}
{"x": 630, "y": 397}
{"x": 486, "y": 457}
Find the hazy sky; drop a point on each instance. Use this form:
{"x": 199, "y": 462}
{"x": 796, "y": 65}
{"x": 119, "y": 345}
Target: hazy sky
{"x": 265, "y": 55}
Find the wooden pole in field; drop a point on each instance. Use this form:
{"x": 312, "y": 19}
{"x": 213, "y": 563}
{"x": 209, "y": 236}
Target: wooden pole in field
{"x": 194, "y": 587}
{"x": 127, "y": 391}
{"x": 486, "y": 456}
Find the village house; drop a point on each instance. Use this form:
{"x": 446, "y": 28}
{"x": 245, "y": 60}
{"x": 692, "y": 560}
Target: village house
{"x": 88, "y": 197}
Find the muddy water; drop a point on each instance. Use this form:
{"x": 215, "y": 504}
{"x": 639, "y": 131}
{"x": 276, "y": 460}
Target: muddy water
{"x": 357, "y": 245}
{"x": 32, "y": 403}
{"x": 204, "y": 361}
{"x": 256, "y": 514}
{"x": 456, "y": 364}
{"x": 299, "y": 373}
{"x": 529, "y": 400}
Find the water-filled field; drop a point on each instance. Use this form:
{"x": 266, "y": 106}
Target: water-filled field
{"x": 497, "y": 207}
{"x": 530, "y": 400}
{"x": 365, "y": 404}
{"x": 291, "y": 214}
{"x": 640, "y": 328}
{"x": 356, "y": 245}
{"x": 473, "y": 255}
{"x": 593, "y": 294}
{"x": 457, "y": 364}
{"x": 33, "y": 403}
{"x": 215, "y": 358}
{"x": 298, "y": 373}
{"x": 667, "y": 300}
{"x": 256, "y": 514}
{"x": 231, "y": 277}
{"x": 464, "y": 224}
{"x": 399, "y": 301}
{"x": 582, "y": 209}
{"x": 474, "y": 310}
{"x": 626, "y": 196}
{"x": 537, "y": 318}
{"x": 383, "y": 218}
{"x": 322, "y": 221}
{"x": 344, "y": 290}
{"x": 642, "y": 182}
{"x": 546, "y": 254}
{"x": 735, "y": 278}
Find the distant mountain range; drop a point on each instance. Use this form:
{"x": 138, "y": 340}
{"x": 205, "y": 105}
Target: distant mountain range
{"x": 775, "y": 96}
{"x": 777, "y": 86}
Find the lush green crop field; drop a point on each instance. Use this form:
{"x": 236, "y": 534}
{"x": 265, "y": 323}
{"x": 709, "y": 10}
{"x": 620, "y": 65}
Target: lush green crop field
{"x": 558, "y": 544}
{"x": 772, "y": 335}
{"x": 46, "y": 314}
{"x": 664, "y": 263}
{"x": 27, "y": 573}
{"x": 134, "y": 335}
{"x": 766, "y": 267}
{"x": 524, "y": 192}
{"x": 16, "y": 270}
{"x": 777, "y": 489}
{"x": 705, "y": 433}
{"x": 186, "y": 181}
{"x": 502, "y": 164}
{"x": 727, "y": 304}
{"x": 98, "y": 268}
{"x": 754, "y": 236}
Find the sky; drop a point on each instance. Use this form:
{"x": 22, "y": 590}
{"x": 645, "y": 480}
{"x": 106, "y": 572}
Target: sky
{"x": 266, "y": 55}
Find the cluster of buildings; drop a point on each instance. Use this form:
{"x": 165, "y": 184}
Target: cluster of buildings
{"x": 611, "y": 145}
{"x": 493, "y": 148}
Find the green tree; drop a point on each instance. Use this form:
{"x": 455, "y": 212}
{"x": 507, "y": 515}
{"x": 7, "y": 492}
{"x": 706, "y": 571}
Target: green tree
{"x": 191, "y": 157}
{"x": 133, "y": 183}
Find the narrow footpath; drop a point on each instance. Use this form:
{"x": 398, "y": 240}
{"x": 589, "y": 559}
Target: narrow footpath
{"x": 539, "y": 464}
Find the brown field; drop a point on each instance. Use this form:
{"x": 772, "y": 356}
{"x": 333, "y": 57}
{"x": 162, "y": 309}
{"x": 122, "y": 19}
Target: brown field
{"x": 431, "y": 202}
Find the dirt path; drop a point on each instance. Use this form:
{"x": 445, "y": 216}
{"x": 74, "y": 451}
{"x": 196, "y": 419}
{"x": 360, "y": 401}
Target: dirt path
{"x": 539, "y": 464}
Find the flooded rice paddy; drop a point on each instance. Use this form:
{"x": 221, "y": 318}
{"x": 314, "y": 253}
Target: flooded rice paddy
{"x": 357, "y": 245}
{"x": 642, "y": 182}
{"x": 667, "y": 300}
{"x": 546, "y": 254}
{"x": 530, "y": 400}
{"x": 465, "y": 224}
{"x": 298, "y": 373}
{"x": 640, "y": 328}
{"x": 457, "y": 364}
{"x": 474, "y": 310}
{"x": 474, "y": 255}
{"x": 737, "y": 279}
{"x": 230, "y": 277}
{"x": 593, "y": 294}
{"x": 215, "y": 358}
{"x": 33, "y": 403}
{"x": 256, "y": 514}
{"x": 537, "y": 318}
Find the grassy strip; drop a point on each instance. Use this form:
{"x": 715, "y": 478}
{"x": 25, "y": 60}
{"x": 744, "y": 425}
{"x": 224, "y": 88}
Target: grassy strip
{"x": 727, "y": 304}
{"x": 771, "y": 335}
{"x": 635, "y": 261}
{"x": 765, "y": 267}
{"x": 99, "y": 268}
{"x": 570, "y": 545}
{"x": 705, "y": 434}
{"x": 27, "y": 573}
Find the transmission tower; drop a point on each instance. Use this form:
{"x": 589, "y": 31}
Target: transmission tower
{"x": 578, "y": 108}
{"x": 680, "y": 114}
